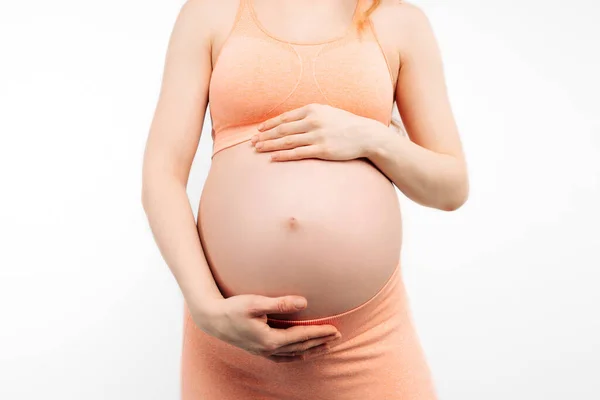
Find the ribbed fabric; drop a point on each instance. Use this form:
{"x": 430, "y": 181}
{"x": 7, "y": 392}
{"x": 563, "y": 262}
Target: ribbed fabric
{"x": 378, "y": 357}
{"x": 258, "y": 76}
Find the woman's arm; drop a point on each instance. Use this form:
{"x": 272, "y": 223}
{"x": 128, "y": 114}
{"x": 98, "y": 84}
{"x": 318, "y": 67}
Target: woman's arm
{"x": 430, "y": 168}
{"x": 171, "y": 146}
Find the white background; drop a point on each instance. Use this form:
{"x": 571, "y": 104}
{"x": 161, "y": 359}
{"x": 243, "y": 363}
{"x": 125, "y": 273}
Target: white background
{"x": 504, "y": 291}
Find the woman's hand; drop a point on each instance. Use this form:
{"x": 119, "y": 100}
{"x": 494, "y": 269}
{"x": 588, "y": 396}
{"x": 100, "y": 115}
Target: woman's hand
{"x": 242, "y": 321}
{"x": 314, "y": 131}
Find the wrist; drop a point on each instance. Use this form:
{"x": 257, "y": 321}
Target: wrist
{"x": 202, "y": 306}
{"x": 374, "y": 135}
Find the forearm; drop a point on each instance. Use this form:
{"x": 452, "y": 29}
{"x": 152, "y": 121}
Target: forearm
{"x": 172, "y": 223}
{"x": 426, "y": 177}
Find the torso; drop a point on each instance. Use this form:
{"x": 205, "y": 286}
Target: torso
{"x": 330, "y": 231}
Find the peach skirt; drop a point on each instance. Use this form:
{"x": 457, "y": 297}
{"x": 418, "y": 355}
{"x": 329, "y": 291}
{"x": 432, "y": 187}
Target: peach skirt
{"x": 378, "y": 357}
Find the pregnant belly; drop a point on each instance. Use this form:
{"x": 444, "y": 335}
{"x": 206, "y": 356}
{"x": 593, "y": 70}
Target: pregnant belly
{"x": 326, "y": 230}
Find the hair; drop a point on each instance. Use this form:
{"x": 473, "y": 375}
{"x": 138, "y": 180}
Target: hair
{"x": 396, "y": 121}
{"x": 365, "y": 16}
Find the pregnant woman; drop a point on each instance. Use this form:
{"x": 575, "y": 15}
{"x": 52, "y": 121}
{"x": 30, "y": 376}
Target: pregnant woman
{"x": 291, "y": 275}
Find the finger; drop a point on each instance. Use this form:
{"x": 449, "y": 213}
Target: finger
{"x": 303, "y": 346}
{"x": 298, "y": 153}
{"x": 262, "y": 305}
{"x": 288, "y": 128}
{"x": 314, "y": 350}
{"x": 301, "y": 333}
{"x": 286, "y": 142}
{"x": 298, "y": 349}
{"x": 288, "y": 116}
{"x": 285, "y": 359}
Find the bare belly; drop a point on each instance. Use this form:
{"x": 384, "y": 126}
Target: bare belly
{"x": 327, "y": 230}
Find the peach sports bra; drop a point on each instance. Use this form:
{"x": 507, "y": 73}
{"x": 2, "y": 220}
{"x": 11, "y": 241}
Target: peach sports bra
{"x": 258, "y": 75}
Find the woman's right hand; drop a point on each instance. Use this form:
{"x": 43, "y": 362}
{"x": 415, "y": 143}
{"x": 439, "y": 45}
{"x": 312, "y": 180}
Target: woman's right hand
{"x": 241, "y": 320}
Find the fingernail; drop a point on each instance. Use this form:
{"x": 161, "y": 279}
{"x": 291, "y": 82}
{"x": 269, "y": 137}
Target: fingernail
{"x": 300, "y": 303}
{"x": 258, "y": 145}
{"x": 261, "y": 126}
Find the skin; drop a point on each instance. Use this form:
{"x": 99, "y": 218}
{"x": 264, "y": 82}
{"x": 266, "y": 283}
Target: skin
{"x": 429, "y": 168}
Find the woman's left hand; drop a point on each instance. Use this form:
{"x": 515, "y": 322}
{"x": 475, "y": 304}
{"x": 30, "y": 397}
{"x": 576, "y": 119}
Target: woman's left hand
{"x": 314, "y": 131}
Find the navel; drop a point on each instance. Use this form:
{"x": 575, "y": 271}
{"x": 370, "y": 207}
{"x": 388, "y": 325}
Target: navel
{"x": 292, "y": 223}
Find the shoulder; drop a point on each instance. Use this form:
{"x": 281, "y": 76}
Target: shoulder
{"x": 208, "y": 15}
{"x": 403, "y": 15}
{"x": 407, "y": 25}
{"x": 209, "y": 8}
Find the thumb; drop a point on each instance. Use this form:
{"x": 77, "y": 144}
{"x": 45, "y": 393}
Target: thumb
{"x": 280, "y": 305}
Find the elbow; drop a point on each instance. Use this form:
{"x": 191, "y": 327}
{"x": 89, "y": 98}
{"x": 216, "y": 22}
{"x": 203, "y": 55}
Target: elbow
{"x": 156, "y": 184}
{"x": 151, "y": 182}
{"x": 455, "y": 202}
{"x": 145, "y": 195}
{"x": 148, "y": 192}
{"x": 145, "y": 188}
{"x": 458, "y": 197}
{"x": 458, "y": 192}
